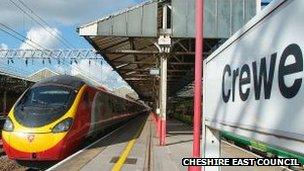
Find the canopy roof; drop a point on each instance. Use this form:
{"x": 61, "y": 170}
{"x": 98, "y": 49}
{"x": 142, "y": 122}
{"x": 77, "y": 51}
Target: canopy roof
{"x": 128, "y": 39}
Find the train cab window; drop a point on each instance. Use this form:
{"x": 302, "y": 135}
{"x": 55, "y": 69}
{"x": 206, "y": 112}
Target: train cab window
{"x": 43, "y": 105}
{"x": 46, "y": 96}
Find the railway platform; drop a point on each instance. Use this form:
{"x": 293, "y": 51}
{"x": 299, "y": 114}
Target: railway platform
{"x": 135, "y": 146}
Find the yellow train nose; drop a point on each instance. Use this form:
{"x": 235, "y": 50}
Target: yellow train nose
{"x": 31, "y": 142}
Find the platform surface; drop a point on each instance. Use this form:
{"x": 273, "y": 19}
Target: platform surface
{"x": 145, "y": 153}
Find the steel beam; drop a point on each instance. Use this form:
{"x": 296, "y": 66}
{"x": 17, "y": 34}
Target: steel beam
{"x": 124, "y": 55}
{"x": 109, "y": 62}
{"x": 143, "y": 70}
{"x": 153, "y": 63}
{"x": 149, "y": 81}
{"x": 118, "y": 43}
{"x": 148, "y": 75}
{"x": 145, "y": 52}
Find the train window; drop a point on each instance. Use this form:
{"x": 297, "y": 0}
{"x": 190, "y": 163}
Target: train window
{"x": 124, "y": 107}
{"x": 117, "y": 106}
{"x": 113, "y": 106}
{"x": 121, "y": 107}
{"x": 47, "y": 96}
{"x": 109, "y": 106}
{"x": 42, "y": 105}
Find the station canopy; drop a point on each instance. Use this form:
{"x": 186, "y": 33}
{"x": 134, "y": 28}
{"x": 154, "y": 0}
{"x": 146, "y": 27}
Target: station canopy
{"x": 128, "y": 39}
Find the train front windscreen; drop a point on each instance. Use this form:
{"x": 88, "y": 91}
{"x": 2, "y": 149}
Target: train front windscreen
{"x": 43, "y": 105}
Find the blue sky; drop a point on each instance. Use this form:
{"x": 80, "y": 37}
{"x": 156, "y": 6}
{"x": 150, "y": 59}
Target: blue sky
{"x": 63, "y": 17}
{"x": 75, "y": 16}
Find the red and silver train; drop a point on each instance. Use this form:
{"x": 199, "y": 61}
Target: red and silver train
{"x": 53, "y": 117}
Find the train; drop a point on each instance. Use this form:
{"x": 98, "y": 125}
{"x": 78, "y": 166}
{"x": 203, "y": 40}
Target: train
{"x": 55, "y": 116}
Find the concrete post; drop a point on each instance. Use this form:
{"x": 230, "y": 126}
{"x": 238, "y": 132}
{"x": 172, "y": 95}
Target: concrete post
{"x": 212, "y": 146}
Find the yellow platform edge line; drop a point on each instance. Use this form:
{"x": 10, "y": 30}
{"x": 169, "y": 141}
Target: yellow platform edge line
{"x": 123, "y": 157}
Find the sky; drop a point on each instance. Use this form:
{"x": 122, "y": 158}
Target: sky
{"x": 62, "y": 18}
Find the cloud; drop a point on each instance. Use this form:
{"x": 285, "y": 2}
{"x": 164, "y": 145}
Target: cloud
{"x": 45, "y": 37}
{"x": 3, "y": 46}
{"x": 67, "y": 12}
{"x": 101, "y": 73}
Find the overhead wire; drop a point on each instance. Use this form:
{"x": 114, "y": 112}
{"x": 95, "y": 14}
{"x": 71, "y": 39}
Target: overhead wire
{"x": 47, "y": 29}
{"x": 24, "y": 38}
{"x": 44, "y": 22}
{"x": 40, "y": 18}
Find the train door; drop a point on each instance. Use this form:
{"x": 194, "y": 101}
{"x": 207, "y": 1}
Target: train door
{"x": 96, "y": 113}
{"x": 82, "y": 120}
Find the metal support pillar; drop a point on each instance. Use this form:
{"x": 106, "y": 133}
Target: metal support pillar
{"x": 164, "y": 46}
{"x": 160, "y": 123}
{"x": 163, "y": 97}
{"x": 165, "y": 14}
{"x": 197, "y": 122}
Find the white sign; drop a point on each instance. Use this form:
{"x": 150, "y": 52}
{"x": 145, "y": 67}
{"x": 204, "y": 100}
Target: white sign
{"x": 254, "y": 83}
{"x": 154, "y": 71}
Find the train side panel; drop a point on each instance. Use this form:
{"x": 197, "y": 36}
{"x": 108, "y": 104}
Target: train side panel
{"x": 81, "y": 125}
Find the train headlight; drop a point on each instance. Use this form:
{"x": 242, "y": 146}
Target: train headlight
{"x": 8, "y": 125}
{"x": 63, "y": 126}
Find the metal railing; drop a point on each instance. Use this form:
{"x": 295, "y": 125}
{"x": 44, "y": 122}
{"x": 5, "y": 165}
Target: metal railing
{"x": 49, "y": 54}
